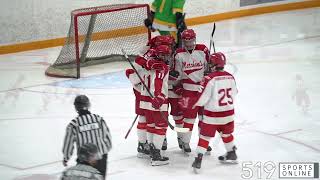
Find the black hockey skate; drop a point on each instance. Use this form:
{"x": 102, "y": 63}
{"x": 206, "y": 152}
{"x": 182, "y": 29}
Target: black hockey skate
{"x": 143, "y": 150}
{"x": 164, "y": 145}
{"x": 197, "y": 163}
{"x": 230, "y": 157}
{"x": 186, "y": 148}
{"x": 151, "y": 147}
{"x": 157, "y": 159}
{"x": 209, "y": 149}
{"x": 180, "y": 142}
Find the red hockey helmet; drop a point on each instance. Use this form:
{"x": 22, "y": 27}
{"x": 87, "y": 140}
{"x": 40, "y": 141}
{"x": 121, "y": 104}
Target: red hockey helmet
{"x": 164, "y": 53}
{"x": 218, "y": 59}
{"x": 151, "y": 42}
{"x": 188, "y": 37}
{"x": 188, "y": 34}
{"x": 162, "y": 40}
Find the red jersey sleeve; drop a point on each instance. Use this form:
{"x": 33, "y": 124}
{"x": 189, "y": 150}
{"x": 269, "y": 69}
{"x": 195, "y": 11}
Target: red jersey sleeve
{"x": 158, "y": 81}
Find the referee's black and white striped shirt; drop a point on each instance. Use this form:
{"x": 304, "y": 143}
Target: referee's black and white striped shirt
{"x": 87, "y": 128}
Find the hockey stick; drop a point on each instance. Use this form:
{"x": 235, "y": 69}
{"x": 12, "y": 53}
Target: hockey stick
{"x": 210, "y": 45}
{"x": 177, "y": 129}
{"x": 179, "y": 31}
{"x": 214, "y": 49}
{"x": 135, "y": 119}
{"x": 211, "y": 38}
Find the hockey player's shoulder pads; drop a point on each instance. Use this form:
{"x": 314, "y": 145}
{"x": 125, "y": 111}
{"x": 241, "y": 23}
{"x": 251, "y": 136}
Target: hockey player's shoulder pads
{"x": 206, "y": 79}
{"x": 140, "y": 60}
{"x": 180, "y": 50}
{"x": 201, "y": 47}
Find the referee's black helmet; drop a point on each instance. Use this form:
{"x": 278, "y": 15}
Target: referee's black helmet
{"x": 81, "y": 102}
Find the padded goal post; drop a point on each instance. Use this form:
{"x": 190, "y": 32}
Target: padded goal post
{"x": 97, "y": 35}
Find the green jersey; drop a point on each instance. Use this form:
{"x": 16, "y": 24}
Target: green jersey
{"x": 165, "y": 13}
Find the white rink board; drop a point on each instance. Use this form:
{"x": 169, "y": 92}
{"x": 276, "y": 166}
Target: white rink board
{"x": 270, "y": 124}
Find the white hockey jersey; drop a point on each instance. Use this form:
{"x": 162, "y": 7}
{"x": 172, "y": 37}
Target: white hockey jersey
{"x": 218, "y": 97}
{"x": 191, "y": 66}
{"x": 134, "y": 79}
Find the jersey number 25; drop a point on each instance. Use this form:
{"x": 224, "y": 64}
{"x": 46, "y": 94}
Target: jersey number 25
{"x": 225, "y": 98}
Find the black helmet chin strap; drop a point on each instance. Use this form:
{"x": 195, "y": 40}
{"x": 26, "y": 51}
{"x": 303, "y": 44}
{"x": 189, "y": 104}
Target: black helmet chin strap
{"x": 83, "y": 111}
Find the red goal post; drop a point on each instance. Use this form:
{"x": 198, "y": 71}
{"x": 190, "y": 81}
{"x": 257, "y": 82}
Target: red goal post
{"x": 97, "y": 35}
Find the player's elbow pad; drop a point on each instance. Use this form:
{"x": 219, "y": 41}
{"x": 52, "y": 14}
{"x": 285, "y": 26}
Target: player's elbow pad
{"x": 129, "y": 72}
{"x": 141, "y": 61}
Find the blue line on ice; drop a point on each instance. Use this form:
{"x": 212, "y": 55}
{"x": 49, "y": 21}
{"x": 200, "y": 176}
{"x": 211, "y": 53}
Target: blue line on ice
{"x": 113, "y": 80}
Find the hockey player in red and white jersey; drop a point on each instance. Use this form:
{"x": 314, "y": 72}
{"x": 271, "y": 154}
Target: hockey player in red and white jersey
{"x": 148, "y": 62}
{"x": 174, "y": 98}
{"x": 217, "y": 97}
{"x": 143, "y": 147}
{"x": 190, "y": 63}
{"x": 144, "y": 62}
{"x": 156, "y": 105}
{"x": 147, "y": 59}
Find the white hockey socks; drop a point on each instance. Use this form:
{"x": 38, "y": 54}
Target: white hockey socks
{"x": 150, "y": 129}
{"x": 158, "y": 140}
{"x": 187, "y": 123}
{"x": 228, "y": 141}
{"x": 142, "y": 129}
{"x": 179, "y": 123}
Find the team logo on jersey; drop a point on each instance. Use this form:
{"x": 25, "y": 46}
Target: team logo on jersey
{"x": 192, "y": 67}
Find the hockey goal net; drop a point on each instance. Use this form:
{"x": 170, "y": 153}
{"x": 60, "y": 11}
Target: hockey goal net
{"x": 97, "y": 35}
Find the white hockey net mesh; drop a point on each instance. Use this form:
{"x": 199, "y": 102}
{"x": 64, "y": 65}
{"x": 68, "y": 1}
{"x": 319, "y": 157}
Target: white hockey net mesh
{"x": 97, "y": 35}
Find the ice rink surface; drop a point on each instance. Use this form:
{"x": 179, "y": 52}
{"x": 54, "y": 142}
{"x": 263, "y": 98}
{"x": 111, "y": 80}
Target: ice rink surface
{"x": 274, "y": 58}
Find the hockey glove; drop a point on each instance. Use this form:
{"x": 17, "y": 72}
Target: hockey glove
{"x": 174, "y": 74}
{"x": 178, "y": 90}
{"x": 180, "y": 24}
{"x": 149, "y": 21}
{"x": 65, "y": 163}
{"x": 158, "y": 101}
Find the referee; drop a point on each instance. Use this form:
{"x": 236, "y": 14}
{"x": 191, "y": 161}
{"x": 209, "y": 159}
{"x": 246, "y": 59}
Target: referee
{"x": 87, "y": 128}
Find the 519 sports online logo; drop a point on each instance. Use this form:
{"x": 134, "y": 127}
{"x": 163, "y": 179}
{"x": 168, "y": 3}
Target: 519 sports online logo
{"x": 282, "y": 170}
